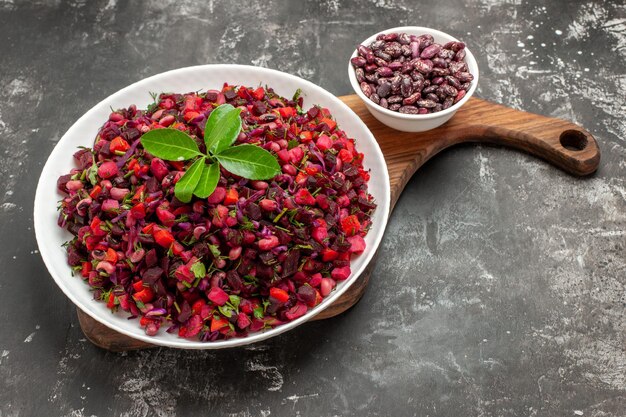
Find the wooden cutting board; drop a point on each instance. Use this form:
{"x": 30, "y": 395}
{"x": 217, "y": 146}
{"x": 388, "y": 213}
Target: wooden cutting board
{"x": 561, "y": 143}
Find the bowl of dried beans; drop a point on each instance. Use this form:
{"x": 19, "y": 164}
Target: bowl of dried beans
{"x": 211, "y": 206}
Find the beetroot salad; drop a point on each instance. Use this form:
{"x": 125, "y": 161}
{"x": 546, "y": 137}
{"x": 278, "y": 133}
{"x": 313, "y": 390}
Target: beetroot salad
{"x": 252, "y": 255}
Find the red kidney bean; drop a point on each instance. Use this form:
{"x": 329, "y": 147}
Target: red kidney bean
{"x": 415, "y": 49}
{"x": 464, "y": 76}
{"x": 431, "y": 51}
{"x": 409, "y": 110}
{"x": 384, "y": 72}
{"x": 367, "y": 90}
{"x": 395, "y": 65}
{"x": 360, "y": 75}
{"x": 370, "y": 67}
{"x": 449, "y": 90}
{"x": 412, "y": 74}
{"x": 439, "y": 62}
{"x": 406, "y": 88}
{"x": 382, "y": 54}
{"x": 411, "y": 99}
{"x": 384, "y": 90}
{"x": 448, "y": 102}
{"x": 358, "y": 61}
{"x": 372, "y": 78}
{"x": 428, "y": 104}
{"x": 424, "y": 65}
{"x": 404, "y": 38}
{"x": 437, "y": 80}
{"x": 453, "y": 82}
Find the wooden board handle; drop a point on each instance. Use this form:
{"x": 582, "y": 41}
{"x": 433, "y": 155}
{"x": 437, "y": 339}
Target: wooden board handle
{"x": 562, "y": 143}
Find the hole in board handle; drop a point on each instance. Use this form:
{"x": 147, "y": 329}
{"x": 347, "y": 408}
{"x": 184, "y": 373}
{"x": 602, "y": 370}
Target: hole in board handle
{"x": 573, "y": 140}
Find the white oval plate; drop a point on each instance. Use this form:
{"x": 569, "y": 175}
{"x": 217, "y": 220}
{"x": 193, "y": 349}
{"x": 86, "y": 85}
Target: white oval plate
{"x": 50, "y": 237}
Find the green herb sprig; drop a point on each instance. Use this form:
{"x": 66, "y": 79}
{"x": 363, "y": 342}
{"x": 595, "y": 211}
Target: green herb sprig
{"x": 220, "y": 132}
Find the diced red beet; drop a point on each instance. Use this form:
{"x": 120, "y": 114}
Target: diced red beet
{"x": 108, "y": 169}
{"x": 340, "y": 274}
{"x": 296, "y": 311}
{"x": 357, "y": 244}
{"x": 218, "y": 296}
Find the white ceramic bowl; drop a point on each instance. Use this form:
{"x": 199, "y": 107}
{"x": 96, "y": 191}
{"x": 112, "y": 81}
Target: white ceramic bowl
{"x": 50, "y": 237}
{"x": 414, "y": 122}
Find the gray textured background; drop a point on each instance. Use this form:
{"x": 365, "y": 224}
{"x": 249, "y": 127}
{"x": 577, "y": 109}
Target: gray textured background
{"x": 500, "y": 286}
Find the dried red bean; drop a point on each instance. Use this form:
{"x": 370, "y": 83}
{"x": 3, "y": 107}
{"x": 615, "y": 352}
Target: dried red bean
{"x": 384, "y": 103}
{"x": 415, "y": 49}
{"x": 393, "y": 49}
{"x": 428, "y": 104}
{"x": 448, "y": 102}
{"x": 446, "y": 54}
{"x": 432, "y": 96}
{"x": 417, "y": 76}
{"x": 423, "y": 111}
{"x": 395, "y": 65}
{"x": 437, "y": 80}
{"x": 410, "y": 100}
{"x": 406, "y": 50}
{"x": 466, "y": 86}
{"x": 380, "y": 62}
{"x": 390, "y": 37}
{"x": 429, "y": 89}
{"x": 372, "y": 78}
{"x": 464, "y": 76}
{"x": 455, "y": 67}
{"x": 370, "y": 58}
{"x": 409, "y": 110}
{"x": 395, "y": 84}
{"x": 384, "y": 71}
{"x": 406, "y": 68}
{"x": 424, "y": 65}
{"x": 406, "y": 88}
{"x": 430, "y": 51}
{"x": 383, "y": 55}
{"x": 375, "y": 98}
{"x": 404, "y": 38}
{"x": 440, "y": 72}
{"x": 363, "y": 50}
{"x": 440, "y": 62}
{"x": 384, "y": 90}
{"x": 426, "y": 41}
{"x": 367, "y": 90}
{"x": 379, "y": 44}
{"x": 449, "y": 90}
{"x": 358, "y": 61}
{"x": 438, "y": 107}
{"x": 453, "y": 82}
{"x": 394, "y": 99}
{"x": 460, "y": 56}
{"x": 360, "y": 75}
{"x": 460, "y": 96}
{"x": 395, "y": 106}
{"x": 370, "y": 67}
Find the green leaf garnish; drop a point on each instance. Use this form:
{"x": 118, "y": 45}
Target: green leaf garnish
{"x": 208, "y": 180}
{"x": 249, "y": 161}
{"x": 170, "y": 144}
{"x": 198, "y": 269}
{"x": 187, "y": 184}
{"x": 221, "y": 131}
{"x": 222, "y": 128}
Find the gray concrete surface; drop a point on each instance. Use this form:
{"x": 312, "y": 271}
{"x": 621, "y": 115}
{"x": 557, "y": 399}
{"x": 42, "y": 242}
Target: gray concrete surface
{"x": 500, "y": 286}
